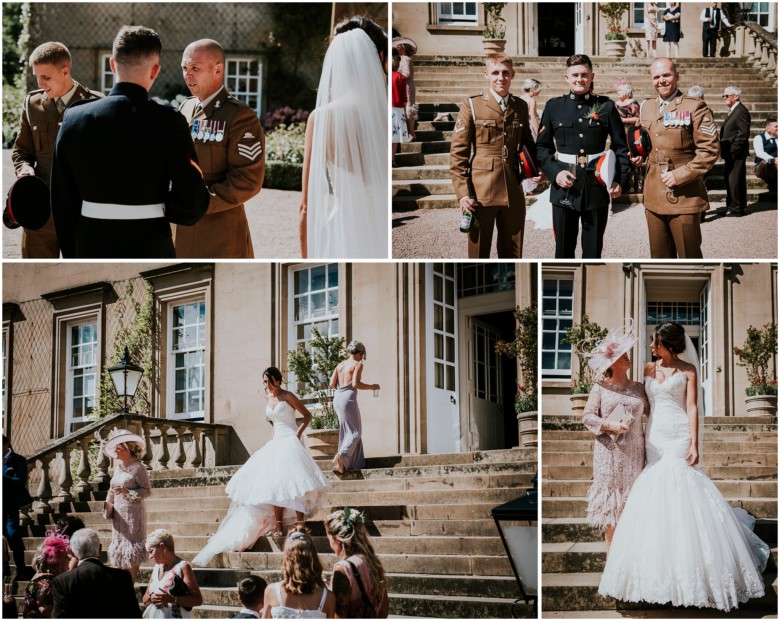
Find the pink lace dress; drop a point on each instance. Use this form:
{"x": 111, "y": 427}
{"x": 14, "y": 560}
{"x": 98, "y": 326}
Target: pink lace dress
{"x": 615, "y": 464}
{"x": 128, "y": 535}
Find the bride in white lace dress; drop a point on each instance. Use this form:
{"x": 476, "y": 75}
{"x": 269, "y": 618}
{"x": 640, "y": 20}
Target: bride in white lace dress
{"x": 678, "y": 541}
{"x": 279, "y": 484}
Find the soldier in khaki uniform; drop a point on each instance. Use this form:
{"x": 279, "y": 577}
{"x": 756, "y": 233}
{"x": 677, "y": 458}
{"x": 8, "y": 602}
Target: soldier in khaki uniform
{"x": 41, "y": 118}
{"x": 231, "y": 150}
{"x": 495, "y": 125}
{"x": 684, "y": 137}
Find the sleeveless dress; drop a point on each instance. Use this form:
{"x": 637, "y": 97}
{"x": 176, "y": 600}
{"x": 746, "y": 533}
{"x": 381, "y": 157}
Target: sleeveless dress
{"x": 350, "y": 427}
{"x": 283, "y": 612}
{"x": 128, "y": 533}
{"x": 678, "y": 540}
{"x": 162, "y": 582}
{"x": 281, "y": 474}
{"x": 616, "y": 465}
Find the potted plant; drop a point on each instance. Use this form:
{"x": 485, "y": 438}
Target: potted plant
{"x": 615, "y": 39}
{"x": 755, "y": 355}
{"x": 493, "y": 38}
{"x": 524, "y": 350}
{"x": 313, "y": 364}
{"x": 582, "y": 337}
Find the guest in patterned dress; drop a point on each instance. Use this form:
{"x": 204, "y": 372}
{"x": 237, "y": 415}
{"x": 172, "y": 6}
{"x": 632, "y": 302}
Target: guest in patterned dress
{"x": 358, "y": 580}
{"x": 51, "y": 559}
{"x": 628, "y": 108}
{"x": 130, "y": 486}
{"x": 619, "y": 454}
{"x": 651, "y": 26}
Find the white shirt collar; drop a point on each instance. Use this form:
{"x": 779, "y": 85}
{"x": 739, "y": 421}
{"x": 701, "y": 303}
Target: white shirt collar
{"x": 668, "y": 100}
{"x": 768, "y": 137}
{"x": 89, "y": 558}
{"x": 734, "y": 106}
{"x": 69, "y": 95}
{"x": 498, "y": 97}
{"x": 249, "y": 611}
{"x": 210, "y": 98}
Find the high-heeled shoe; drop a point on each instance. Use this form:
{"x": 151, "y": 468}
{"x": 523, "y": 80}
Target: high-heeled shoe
{"x": 278, "y": 532}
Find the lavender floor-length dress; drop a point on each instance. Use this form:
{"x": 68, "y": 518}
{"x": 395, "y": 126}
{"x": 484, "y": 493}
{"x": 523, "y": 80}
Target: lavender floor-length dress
{"x": 350, "y": 428}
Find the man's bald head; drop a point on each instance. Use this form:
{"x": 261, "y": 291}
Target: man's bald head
{"x": 664, "y": 74}
{"x": 203, "y": 67}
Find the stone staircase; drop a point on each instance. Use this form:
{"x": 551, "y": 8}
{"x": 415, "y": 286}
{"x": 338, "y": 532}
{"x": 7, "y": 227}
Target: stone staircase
{"x": 421, "y": 177}
{"x": 739, "y": 455}
{"x": 429, "y": 516}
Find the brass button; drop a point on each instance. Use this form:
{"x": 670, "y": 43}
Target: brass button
{"x": 580, "y": 135}
{"x": 582, "y": 150}
{"x": 580, "y": 120}
{"x": 580, "y": 106}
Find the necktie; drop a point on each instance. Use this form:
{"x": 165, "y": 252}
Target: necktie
{"x": 198, "y": 109}
{"x": 502, "y": 103}
{"x": 60, "y": 104}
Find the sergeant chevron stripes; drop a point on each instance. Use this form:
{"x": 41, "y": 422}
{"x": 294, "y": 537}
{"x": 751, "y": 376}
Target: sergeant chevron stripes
{"x": 709, "y": 129}
{"x": 250, "y": 152}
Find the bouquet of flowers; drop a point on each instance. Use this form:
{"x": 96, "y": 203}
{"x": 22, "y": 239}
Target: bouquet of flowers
{"x": 133, "y": 496}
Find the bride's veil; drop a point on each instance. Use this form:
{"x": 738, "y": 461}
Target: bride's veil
{"x": 691, "y": 356}
{"x": 347, "y": 199}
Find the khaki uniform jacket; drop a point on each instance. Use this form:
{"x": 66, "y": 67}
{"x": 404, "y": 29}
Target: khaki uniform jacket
{"x": 492, "y": 174}
{"x": 32, "y": 153}
{"x": 233, "y": 169}
{"x": 693, "y": 150}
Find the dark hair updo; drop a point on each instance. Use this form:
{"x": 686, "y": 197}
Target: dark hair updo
{"x": 273, "y": 373}
{"x": 371, "y": 28}
{"x": 671, "y": 335}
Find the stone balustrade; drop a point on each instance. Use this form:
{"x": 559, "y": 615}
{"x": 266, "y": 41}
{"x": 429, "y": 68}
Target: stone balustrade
{"x": 170, "y": 445}
{"x": 752, "y": 41}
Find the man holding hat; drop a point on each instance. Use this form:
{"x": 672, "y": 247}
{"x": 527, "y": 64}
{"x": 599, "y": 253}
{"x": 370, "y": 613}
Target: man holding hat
{"x": 684, "y": 146}
{"x": 42, "y": 114}
{"x": 571, "y": 150}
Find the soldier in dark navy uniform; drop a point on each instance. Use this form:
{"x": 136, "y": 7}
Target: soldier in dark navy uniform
{"x": 125, "y": 167}
{"x": 577, "y": 125}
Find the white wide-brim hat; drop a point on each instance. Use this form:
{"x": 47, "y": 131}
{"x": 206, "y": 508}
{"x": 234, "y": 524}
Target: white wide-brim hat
{"x": 617, "y": 342}
{"x": 119, "y": 436}
{"x": 405, "y": 41}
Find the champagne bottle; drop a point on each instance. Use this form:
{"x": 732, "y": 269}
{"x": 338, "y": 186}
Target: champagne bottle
{"x": 466, "y": 218}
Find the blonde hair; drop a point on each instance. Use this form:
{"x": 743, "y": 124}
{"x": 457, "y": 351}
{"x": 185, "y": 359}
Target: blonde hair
{"x": 160, "y": 536}
{"x": 348, "y": 526}
{"x": 499, "y": 58}
{"x": 301, "y": 566}
{"x": 134, "y": 448}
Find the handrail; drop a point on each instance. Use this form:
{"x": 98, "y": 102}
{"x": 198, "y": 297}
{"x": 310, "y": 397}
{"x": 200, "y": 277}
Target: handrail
{"x": 179, "y": 444}
{"x": 753, "y": 42}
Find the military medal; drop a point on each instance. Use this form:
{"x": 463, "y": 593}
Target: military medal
{"x": 207, "y": 133}
{"x": 195, "y": 129}
{"x": 200, "y": 130}
{"x": 213, "y": 136}
{"x": 666, "y": 119}
{"x": 221, "y": 131}
{"x": 687, "y": 117}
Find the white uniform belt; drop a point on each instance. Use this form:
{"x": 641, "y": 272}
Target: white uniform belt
{"x": 113, "y": 211}
{"x": 574, "y": 159}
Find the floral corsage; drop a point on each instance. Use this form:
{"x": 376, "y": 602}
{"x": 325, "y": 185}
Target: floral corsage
{"x": 595, "y": 110}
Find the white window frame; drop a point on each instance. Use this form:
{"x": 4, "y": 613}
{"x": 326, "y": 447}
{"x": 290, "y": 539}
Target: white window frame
{"x": 232, "y": 76}
{"x": 755, "y": 16}
{"x": 450, "y": 18}
{"x": 199, "y": 298}
{"x": 554, "y": 373}
{"x": 482, "y": 270}
{"x": 107, "y": 77}
{"x": 70, "y": 372}
{"x": 6, "y": 344}
{"x": 638, "y": 13}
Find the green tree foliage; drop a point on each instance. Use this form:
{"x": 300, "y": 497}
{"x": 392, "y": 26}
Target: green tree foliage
{"x": 524, "y": 349}
{"x": 583, "y": 338}
{"x": 755, "y": 355}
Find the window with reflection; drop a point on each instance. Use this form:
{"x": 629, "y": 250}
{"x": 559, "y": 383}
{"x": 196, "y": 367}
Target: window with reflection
{"x": 314, "y": 302}
{"x": 243, "y": 79}
{"x": 455, "y": 13}
{"x": 481, "y": 278}
{"x": 187, "y": 359}
{"x": 443, "y": 304}
{"x": 81, "y": 373}
{"x": 557, "y": 316}
{"x": 684, "y": 313}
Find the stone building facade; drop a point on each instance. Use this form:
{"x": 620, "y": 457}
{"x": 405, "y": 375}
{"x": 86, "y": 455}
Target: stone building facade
{"x": 429, "y": 330}
{"x": 545, "y": 28}
{"x": 716, "y": 303}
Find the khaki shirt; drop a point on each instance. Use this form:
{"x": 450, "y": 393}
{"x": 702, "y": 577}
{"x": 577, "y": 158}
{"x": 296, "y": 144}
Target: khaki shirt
{"x": 491, "y": 174}
{"x": 692, "y": 148}
{"x": 233, "y": 169}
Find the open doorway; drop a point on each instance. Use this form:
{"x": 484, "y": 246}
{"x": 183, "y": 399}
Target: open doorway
{"x": 556, "y": 27}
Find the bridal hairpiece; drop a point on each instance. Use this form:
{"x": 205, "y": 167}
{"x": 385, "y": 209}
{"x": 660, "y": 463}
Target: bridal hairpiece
{"x": 617, "y": 342}
{"x": 353, "y": 517}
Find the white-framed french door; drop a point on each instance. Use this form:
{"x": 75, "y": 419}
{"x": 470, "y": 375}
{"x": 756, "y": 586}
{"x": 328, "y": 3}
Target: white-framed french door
{"x": 579, "y": 29}
{"x": 441, "y": 318}
{"x": 486, "y": 375}
{"x": 705, "y": 349}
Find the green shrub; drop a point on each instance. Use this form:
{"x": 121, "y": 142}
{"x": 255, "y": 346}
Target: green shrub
{"x": 13, "y": 99}
{"x": 283, "y": 176}
{"x": 286, "y": 144}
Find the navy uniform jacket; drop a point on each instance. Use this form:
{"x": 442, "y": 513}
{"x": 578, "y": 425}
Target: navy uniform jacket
{"x": 128, "y": 150}
{"x": 570, "y": 126}
{"x": 15, "y": 494}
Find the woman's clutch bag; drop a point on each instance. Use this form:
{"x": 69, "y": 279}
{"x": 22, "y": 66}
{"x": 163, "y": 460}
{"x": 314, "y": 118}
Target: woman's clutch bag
{"x": 619, "y": 416}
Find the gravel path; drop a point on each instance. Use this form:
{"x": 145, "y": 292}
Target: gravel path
{"x": 272, "y": 214}
{"x": 433, "y": 233}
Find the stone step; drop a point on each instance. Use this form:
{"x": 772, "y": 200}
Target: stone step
{"x": 709, "y": 436}
{"x": 428, "y": 187}
{"x": 736, "y": 423}
{"x": 577, "y": 530}
{"x": 579, "y": 591}
{"x": 568, "y": 506}
{"x": 419, "y": 173}
{"x": 716, "y": 473}
{"x": 603, "y": 63}
{"x": 710, "y": 459}
{"x": 432, "y": 146}
{"x": 733, "y": 489}
{"x": 569, "y": 446}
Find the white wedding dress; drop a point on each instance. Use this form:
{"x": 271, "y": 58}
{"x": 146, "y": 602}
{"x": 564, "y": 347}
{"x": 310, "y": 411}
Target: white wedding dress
{"x": 678, "y": 540}
{"x": 281, "y": 474}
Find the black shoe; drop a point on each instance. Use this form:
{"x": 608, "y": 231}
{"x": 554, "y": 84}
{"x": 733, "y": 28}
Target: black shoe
{"x": 735, "y": 213}
{"x": 702, "y": 217}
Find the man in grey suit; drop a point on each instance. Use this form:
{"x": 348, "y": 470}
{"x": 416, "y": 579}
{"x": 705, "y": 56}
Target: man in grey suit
{"x": 734, "y": 147}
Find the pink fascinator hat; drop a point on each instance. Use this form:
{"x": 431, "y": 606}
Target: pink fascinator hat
{"x": 617, "y": 342}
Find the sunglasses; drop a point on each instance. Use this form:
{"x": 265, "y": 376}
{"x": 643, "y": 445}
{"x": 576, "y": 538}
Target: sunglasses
{"x": 726, "y": 96}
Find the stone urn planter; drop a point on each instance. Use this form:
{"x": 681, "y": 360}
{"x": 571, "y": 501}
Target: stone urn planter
{"x": 615, "y": 48}
{"x": 493, "y": 46}
{"x": 578, "y": 402}
{"x": 528, "y": 424}
{"x": 323, "y": 442}
{"x": 761, "y": 405}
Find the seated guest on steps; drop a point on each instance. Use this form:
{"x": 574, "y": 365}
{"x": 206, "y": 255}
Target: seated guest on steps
{"x": 92, "y": 590}
{"x": 251, "y": 591}
{"x": 50, "y": 560}
{"x": 173, "y": 590}
{"x": 358, "y": 580}
{"x": 765, "y": 148}
{"x": 302, "y": 593}
{"x": 125, "y": 508}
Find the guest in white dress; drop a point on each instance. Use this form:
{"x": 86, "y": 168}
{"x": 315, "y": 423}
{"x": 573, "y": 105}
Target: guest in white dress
{"x": 302, "y": 593}
{"x": 279, "y": 484}
{"x": 173, "y": 590}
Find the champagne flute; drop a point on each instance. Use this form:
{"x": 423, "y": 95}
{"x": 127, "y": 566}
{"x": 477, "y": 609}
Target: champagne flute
{"x": 665, "y": 165}
{"x": 572, "y": 168}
